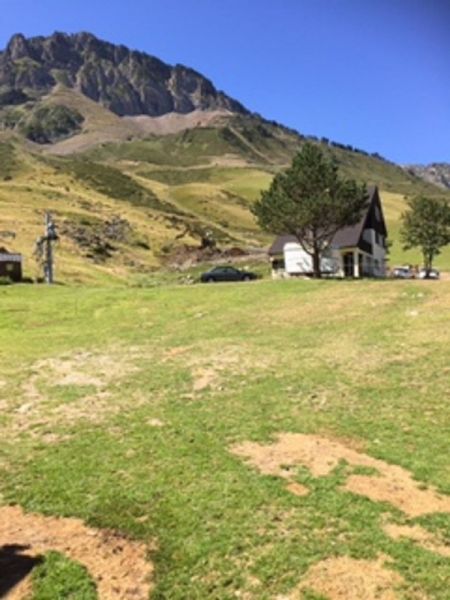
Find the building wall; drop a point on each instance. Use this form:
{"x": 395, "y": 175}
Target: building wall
{"x": 11, "y": 269}
{"x": 378, "y": 252}
{"x": 298, "y": 262}
{"x": 295, "y": 261}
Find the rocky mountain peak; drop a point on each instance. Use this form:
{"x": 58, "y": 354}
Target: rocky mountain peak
{"x": 436, "y": 173}
{"x": 17, "y": 47}
{"x": 125, "y": 81}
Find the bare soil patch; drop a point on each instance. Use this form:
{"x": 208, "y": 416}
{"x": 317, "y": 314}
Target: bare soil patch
{"x": 213, "y": 366}
{"x": 90, "y": 370}
{"x": 176, "y": 351}
{"x": 346, "y": 578}
{"x": 297, "y": 489}
{"x": 417, "y": 534}
{"x": 155, "y": 423}
{"x": 174, "y": 122}
{"x": 22, "y": 591}
{"x": 117, "y": 565}
{"x": 210, "y": 365}
{"x": 204, "y": 378}
{"x": 389, "y": 483}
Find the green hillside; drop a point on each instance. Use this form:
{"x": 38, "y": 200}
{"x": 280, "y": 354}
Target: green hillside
{"x": 169, "y": 190}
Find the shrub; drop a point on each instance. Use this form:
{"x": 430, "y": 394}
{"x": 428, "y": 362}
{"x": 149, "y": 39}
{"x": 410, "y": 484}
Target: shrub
{"x": 48, "y": 124}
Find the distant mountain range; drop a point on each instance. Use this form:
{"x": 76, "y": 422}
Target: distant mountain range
{"x": 436, "y": 173}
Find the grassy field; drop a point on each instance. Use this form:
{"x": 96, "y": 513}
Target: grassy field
{"x": 132, "y": 409}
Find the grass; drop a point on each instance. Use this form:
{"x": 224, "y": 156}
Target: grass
{"x": 8, "y": 163}
{"x": 390, "y": 177}
{"x": 58, "y": 577}
{"x": 189, "y": 148}
{"x": 360, "y": 361}
{"x": 110, "y": 182}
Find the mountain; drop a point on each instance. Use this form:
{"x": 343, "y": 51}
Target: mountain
{"x": 436, "y": 173}
{"x": 122, "y": 80}
{"x": 141, "y": 162}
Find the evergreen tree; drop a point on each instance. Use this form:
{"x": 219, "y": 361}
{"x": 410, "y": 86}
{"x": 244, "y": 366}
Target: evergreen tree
{"x": 426, "y": 225}
{"x": 312, "y": 202}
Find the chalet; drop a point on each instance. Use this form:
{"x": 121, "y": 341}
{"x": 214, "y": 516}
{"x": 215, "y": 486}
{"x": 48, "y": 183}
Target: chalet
{"x": 10, "y": 265}
{"x": 356, "y": 251}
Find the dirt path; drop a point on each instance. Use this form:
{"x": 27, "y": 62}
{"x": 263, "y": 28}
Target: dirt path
{"x": 117, "y": 565}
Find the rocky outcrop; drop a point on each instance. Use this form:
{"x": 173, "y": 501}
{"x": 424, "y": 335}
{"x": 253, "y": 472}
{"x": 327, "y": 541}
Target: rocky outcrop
{"x": 437, "y": 173}
{"x": 125, "y": 81}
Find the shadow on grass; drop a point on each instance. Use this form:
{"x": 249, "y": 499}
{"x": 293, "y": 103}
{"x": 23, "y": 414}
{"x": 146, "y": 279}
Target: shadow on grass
{"x": 14, "y": 566}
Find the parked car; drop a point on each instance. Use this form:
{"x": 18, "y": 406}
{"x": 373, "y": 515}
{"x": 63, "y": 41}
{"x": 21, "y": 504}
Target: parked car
{"x": 403, "y": 273}
{"x": 227, "y": 274}
{"x": 433, "y": 274}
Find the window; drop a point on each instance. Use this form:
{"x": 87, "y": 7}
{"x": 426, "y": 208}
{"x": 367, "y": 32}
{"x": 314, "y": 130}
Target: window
{"x": 367, "y": 235}
{"x": 278, "y": 264}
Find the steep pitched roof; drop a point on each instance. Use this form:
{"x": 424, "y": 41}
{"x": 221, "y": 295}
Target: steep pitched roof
{"x": 351, "y": 236}
{"x": 346, "y": 237}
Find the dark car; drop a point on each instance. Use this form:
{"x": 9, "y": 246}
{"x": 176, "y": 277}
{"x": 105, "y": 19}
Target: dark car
{"x": 226, "y": 274}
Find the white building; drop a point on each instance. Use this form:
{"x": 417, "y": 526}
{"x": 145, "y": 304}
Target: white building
{"x": 356, "y": 251}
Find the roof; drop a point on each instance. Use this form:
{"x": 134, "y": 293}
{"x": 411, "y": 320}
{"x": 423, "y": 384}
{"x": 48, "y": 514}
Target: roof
{"x": 278, "y": 245}
{"x": 346, "y": 237}
{"x": 350, "y": 236}
{"x": 6, "y": 256}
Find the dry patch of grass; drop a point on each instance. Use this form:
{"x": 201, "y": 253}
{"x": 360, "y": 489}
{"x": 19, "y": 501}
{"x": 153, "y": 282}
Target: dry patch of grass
{"x": 417, "y": 534}
{"x": 210, "y": 365}
{"x": 321, "y": 456}
{"x": 88, "y": 373}
{"x": 118, "y": 565}
{"x": 297, "y": 489}
{"x": 346, "y": 578}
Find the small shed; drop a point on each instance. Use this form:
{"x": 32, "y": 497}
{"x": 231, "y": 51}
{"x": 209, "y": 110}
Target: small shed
{"x": 10, "y": 265}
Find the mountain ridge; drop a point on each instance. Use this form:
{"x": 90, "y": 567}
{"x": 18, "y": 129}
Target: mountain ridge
{"x": 437, "y": 173}
{"x": 127, "y": 82}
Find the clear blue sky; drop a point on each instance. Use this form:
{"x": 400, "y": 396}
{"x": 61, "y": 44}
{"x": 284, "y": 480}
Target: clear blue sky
{"x": 371, "y": 73}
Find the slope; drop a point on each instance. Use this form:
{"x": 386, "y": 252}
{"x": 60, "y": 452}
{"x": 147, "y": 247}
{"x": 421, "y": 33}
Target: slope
{"x": 125, "y": 207}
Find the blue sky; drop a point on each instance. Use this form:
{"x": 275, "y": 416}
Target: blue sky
{"x": 371, "y": 73}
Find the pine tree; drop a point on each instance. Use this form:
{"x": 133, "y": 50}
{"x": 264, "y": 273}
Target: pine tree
{"x": 312, "y": 202}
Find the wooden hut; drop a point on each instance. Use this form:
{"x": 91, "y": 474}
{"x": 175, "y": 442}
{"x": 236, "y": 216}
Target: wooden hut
{"x": 10, "y": 265}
